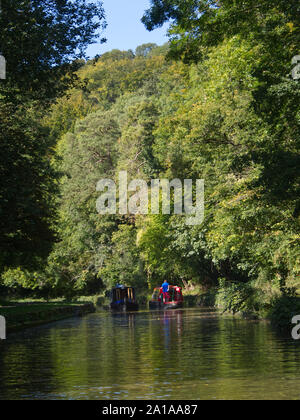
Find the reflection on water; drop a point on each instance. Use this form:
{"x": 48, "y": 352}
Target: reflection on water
{"x": 180, "y": 354}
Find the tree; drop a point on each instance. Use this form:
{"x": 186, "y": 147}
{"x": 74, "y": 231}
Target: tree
{"x": 42, "y": 42}
{"x": 26, "y": 189}
{"x": 144, "y": 50}
{"x": 196, "y": 24}
{"x": 86, "y": 156}
{"x": 125, "y": 265}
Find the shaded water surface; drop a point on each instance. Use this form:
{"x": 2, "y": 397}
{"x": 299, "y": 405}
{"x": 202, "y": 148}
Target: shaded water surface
{"x": 184, "y": 354}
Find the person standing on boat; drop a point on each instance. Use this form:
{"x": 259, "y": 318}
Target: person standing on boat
{"x": 165, "y": 289}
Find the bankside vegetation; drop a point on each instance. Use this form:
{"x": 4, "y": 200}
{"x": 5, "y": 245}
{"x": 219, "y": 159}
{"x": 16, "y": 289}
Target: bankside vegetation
{"x": 218, "y": 103}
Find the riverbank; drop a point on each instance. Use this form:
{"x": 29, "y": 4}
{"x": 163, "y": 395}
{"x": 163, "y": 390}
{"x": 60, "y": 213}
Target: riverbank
{"x": 236, "y": 300}
{"x": 245, "y": 302}
{"x": 25, "y": 315}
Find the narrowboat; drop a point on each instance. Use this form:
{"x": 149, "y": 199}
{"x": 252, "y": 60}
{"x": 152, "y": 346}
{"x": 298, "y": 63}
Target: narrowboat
{"x": 173, "y": 300}
{"x": 123, "y": 299}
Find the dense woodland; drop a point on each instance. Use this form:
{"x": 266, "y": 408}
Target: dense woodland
{"x": 218, "y": 102}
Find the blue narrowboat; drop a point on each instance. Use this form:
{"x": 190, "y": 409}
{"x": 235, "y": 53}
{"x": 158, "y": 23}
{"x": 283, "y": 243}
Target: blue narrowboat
{"x": 123, "y": 299}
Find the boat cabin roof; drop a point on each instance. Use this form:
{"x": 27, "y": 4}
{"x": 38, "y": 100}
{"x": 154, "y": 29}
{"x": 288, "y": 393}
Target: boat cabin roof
{"x": 122, "y": 287}
{"x": 170, "y": 287}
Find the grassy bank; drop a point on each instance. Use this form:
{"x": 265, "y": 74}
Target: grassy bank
{"x": 21, "y": 315}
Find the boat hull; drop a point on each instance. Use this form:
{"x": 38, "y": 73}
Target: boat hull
{"x": 165, "y": 306}
{"x": 124, "y": 307}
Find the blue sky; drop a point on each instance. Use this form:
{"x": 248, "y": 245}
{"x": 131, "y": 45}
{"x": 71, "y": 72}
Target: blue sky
{"x": 125, "y": 30}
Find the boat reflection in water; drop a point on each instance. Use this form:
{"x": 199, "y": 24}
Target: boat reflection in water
{"x": 123, "y": 299}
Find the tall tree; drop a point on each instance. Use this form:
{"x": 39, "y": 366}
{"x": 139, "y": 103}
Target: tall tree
{"x": 42, "y": 42}
{"x": 199, "y": 23}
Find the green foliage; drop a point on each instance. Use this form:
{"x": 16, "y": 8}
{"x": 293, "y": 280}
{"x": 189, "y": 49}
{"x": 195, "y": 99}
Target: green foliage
{"x": 20, "y": 283}
{"x": 116, "y": 74}
{"x": 283, "y": 311}
{"x": 208, "y": 299}
{"x": 26, "y": 188}
{"x": 235, "y": 298}
{"x": 144, "y": 50}
{"x": 116, "y": 134}
{"x": 136, "y": 143}
{"x": 18, "y": 279}
{"x": 42, "y": 42}
{"x": 124, "y": 265}
{"x": 230, "y": 116}
{"x": 153, "y": 242}
{"x": 88, "y": 155}
{"x": 197, "y": 24}
{"x": 178, "y": 121}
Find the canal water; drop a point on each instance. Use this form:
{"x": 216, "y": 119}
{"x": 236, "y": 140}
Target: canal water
{"x": 185, "y": 354}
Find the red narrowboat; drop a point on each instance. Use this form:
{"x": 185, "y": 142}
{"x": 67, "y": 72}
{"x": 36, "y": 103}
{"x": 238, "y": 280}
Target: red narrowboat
{"x": 172, "y": 300}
